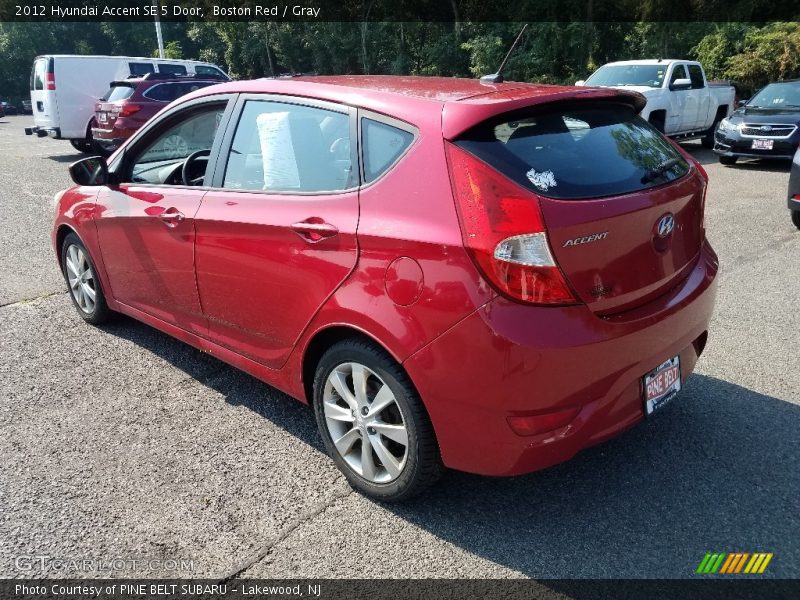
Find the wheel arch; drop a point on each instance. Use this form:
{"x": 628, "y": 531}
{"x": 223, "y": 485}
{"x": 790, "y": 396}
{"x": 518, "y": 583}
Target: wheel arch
{"x": 323, "y": 339}
{"x": 61, "y": 234}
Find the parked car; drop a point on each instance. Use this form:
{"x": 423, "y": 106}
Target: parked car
{"x": 26, "y": 108}
{"x": 128, "y": 104}
{"x": 794, "y": 190}
{"x": 766, "y": 126}
{"x": 8, "y": 108}
{"x": 485, "y": 277}
{"x": 64, "y": 89}
{"x": 680, "y": 101}
{"x": 2, "y": 112}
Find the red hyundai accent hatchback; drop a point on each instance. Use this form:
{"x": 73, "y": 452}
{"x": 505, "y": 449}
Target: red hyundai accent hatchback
{"x": 486, "y": 277}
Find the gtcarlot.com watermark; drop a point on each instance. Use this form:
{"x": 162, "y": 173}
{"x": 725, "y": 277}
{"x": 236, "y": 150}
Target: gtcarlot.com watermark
{"x": 54, "y": 564}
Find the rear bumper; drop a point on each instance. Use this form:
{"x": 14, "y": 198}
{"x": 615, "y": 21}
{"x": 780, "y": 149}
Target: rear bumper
{"x": 794, "y": 204}
{"x": 53, "y": 132}
{"x": 111, "y": 137}
{"x": 508, "y": 359}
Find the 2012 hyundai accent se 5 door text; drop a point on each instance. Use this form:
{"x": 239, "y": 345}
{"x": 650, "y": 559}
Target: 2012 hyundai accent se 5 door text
{"x": 485, "y": 277}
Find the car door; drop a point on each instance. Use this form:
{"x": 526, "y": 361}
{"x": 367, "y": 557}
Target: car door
{"x": 699, "y": 97}
{"x": 146, "y": 221}
{"x": 678, "y": 121}
{"x": 277, "y": 233}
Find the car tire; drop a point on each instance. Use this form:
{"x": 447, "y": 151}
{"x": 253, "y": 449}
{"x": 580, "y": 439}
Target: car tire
{"x": 707, "y": 141}
{"x": 82, "y": 146}
{"x": 728, "y": 160}
{"x": 83, "y": 285}
{"x": 796, "y": 218}
{"x": 386, "y": 469}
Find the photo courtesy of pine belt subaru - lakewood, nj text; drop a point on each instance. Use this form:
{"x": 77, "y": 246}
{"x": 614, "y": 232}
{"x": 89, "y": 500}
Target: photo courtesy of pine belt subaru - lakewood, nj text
{"x": 487, "y": 277}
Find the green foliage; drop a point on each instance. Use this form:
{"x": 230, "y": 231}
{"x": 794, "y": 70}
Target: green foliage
{"x": 550, "y": 51}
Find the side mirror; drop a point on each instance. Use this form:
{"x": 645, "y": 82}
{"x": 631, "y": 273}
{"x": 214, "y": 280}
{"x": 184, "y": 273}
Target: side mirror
{"x": 681, "y": 84}
{"x": 89, "y": 171}
{"x": 580, "y": 83}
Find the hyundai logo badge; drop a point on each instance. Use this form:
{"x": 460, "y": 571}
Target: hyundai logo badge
{"x": 665, "y": 225}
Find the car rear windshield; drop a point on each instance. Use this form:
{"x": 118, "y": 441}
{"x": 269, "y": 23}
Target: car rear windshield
{"x": 577, "y": 152}
{"x": 118, "y": 92}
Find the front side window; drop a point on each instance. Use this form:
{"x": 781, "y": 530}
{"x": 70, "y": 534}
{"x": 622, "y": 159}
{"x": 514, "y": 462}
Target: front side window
{"x": 383, "y": 145}
{"x": 281, "y": 147}
{"x": 696, "y": 75}
{"x": 577, "y": 152}
{"x": 679, "y": 72}
{"x": 161, "y": 160}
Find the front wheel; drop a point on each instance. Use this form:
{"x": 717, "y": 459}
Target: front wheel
{"x": 373, "y": 423}
{"x": 796, "y": 218}
{"x": 84, "y": 286}
{"x": 728, "y": 160}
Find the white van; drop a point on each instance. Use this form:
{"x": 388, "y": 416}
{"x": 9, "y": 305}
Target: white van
{"x": 65, "y": 87}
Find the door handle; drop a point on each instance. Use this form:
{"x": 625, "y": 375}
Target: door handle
{"x": 172, "y": 216}
{"x": 314, "y": 229}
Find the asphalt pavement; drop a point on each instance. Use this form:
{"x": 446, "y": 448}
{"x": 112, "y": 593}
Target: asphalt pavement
{"x": 122, "y": 443}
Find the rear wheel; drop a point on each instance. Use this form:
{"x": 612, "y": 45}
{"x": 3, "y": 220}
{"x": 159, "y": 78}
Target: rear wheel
{"x": 796, "y": 218}
{"x": 373, "y": 423}
{"x": 728, "y": 160}
{"x": 81, "y": 146}
{"x": 84, "y": 287}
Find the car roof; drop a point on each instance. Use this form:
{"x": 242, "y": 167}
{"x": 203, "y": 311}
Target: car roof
{"x": 454, "y": 104}
{"x": 651, "y": 61}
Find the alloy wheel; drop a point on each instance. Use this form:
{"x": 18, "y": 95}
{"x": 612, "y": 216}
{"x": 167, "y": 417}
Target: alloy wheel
{"x": 82, "y": 284}
{"x": 365, "y": 422}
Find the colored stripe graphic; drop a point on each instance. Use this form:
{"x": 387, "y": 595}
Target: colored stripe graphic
{"x": 734, "y": 562}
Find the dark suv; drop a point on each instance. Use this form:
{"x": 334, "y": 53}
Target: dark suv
{"x": 129, "y": 103}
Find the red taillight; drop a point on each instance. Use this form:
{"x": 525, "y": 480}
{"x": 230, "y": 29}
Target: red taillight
{"x": 50, "y": 81}
{"x": 531, "y": 425}
{"x": 126, "y": 109}
{"x": 503, "y": 229}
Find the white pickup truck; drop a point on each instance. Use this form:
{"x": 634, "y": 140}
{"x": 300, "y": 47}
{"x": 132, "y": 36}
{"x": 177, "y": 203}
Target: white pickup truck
{"x": 680, "y": 101}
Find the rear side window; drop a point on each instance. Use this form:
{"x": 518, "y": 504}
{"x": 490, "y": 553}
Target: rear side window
{"x": 696, "y": 75}
{"x": 383, "y": 145}
{"x": 282, "y": 147}
{"x": 139, "y": 69}
{"x": 118, "y": 92}
{"x": 581, "y": 152}
{"x": 167, "y": 92}
{"x": 171, "y": 69}
{"x": 38, "y": 74}
{"x": 206, "y": 70}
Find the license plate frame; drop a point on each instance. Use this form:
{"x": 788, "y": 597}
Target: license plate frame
{"x": 661, "y": 385}
{"x": 102, "y": 117}
{"x": 761, "y": 144}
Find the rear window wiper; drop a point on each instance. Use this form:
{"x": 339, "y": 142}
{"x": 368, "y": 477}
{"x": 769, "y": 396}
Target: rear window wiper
{"x": 659, "y": 170}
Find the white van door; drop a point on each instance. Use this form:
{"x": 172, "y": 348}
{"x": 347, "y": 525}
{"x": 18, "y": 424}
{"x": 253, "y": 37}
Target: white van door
{"x": 43, "y": 95}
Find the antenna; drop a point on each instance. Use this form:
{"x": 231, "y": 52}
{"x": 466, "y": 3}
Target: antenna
{"x": 498, "y": 76}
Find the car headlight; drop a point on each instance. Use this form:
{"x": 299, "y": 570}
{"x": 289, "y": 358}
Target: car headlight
{"x": 726, "y": 125}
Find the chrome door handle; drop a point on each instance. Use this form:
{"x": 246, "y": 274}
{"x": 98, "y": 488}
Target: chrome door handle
{"x": 171, "y": 216}
{"x": 314, "y": 231}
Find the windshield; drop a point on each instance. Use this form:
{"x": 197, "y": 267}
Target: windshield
{"x": 777, "y": 95}
{"x": 624, "y": 75}
{"x": 118, "y": 92}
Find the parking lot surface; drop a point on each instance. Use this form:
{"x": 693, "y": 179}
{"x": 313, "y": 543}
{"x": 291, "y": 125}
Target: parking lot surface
{"x": 121, "y": 442}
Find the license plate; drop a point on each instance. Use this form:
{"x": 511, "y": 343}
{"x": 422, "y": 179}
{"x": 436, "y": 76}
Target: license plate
{"x": 102, "y": 117}
{"x": 661, "y": 384}
{"x": 762, "y": 144}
